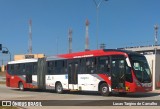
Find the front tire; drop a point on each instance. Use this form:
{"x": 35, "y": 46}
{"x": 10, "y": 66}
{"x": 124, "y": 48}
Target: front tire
{"x": 59, "y": 88}
{"x": 104, "y": 89}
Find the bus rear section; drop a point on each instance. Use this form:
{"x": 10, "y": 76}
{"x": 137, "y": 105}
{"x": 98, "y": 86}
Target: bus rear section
{"x": 22, "y": 74}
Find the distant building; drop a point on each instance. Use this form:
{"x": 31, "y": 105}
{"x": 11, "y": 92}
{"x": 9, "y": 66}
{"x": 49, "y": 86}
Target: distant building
{"x": 152, "y": 54}
{"x": 28, "y": 56}
{"x": 144, "y": 49}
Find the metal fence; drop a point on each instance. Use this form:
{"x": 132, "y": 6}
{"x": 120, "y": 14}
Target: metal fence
{"x": 2, "y": 79}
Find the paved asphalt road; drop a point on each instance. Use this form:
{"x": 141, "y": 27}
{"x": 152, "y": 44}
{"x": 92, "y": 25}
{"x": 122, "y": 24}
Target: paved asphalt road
{"x": 14, "y": 94}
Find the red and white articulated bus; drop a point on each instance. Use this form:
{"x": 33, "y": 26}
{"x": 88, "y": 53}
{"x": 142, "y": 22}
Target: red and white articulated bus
{"x": 106, "y": 71}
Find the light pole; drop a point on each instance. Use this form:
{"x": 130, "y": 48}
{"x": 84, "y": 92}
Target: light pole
{"x": 156, "y": 37}
{"x": 6, "y": 52}
{"x": 97, "y": 4}
{"x": 155, "y": 46}
{"x": 156, "y": 34}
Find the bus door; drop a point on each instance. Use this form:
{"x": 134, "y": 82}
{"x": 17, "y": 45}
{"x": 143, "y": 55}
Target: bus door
{"x": 41, "y": 72}
{"x": 118, "y": 72}
{"x": 73, "y": 74}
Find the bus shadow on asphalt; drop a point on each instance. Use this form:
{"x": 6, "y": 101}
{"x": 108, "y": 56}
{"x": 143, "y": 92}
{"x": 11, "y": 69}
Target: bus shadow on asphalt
{"x": 65, "y": 92}
{"x": 92, "y": 93}
{"x": 89, "y": 93}
{"x": 137, "y": 95}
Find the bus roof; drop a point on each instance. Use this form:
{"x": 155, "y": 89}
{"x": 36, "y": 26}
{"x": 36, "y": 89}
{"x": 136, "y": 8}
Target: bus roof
{"x": 101, "y": 52}
{"x": 23, "y": 61}
{"x": 83, "y": 54}
{"x": 129, "y": 52}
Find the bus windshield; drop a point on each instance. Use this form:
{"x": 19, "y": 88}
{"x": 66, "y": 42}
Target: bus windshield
{"x": 141, "y": 68}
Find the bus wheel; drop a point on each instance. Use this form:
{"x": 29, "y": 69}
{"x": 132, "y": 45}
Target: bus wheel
{"x": 21, "y": 86}
{"x": 59, "y": 88}
{"x": 104, "y": 89}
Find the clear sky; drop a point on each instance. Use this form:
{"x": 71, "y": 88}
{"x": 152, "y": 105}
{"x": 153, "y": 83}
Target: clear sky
{"x": 121, "y": 23}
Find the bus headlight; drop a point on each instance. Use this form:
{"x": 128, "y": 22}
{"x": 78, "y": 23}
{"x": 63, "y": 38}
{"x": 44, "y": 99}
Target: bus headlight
{"x": 146, "y": 84}
{"x": 137, "y": 82}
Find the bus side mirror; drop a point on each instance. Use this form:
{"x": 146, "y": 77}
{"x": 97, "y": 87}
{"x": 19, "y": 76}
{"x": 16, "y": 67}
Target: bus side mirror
{"x": 128, "y": 62}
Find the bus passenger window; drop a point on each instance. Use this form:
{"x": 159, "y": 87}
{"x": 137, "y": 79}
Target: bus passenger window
{"x": 34, "y": 68}
{"x": 91, "y": 65}
{"x": 11, "y": 69}
{"x": 29, "y": 69}
{"x": 51, "y": 67}
{"x": 82, "y": 68}
{"x": 23, "y": 68}
{"x": 20, "y": 71}
{"x": 104, "y": 65}
{"x": 17, "y": 69}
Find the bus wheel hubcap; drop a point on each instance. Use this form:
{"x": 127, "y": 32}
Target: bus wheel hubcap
{"x": 59, "y": 88}
{"x": 104, "y": 89}
{"x": 21, "y": 87}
